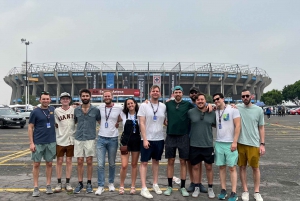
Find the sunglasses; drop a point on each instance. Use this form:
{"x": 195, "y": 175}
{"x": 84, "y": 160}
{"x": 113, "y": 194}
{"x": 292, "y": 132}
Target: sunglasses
{"x": 45, "y": 92}
{"x": 202, "y": 116}
{"x": 177, "y": 106}
{"x": 214, "y": 100}
{"x": 193, "y": 92}
{"x": 247, "y": 96}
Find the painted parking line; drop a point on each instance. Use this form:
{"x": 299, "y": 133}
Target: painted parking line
{"x": 16, "y": 156}
{"x": 74, "y": 164}
{"x": 11, "y": 155}
{"x": 14, "y": 143}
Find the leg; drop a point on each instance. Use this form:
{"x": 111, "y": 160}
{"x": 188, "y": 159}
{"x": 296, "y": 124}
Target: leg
{"x": 243, "y": 176}
{"x": 101, "y": 152}
{"x": 170, "y": 167}
{"x": 200, "y": 172}
{"x": 89, "y": 163}
{"x": 59, "y": 162}
{"x": 123, "y": 169}
{"x": 223, "y": 177}
{"x": 68, "y": 167}
{"x": 190, "y": 170}
{"x": 134, "y": 170}
{"x": 182, "y": 169}
{"x": 155, "y": 166}
{"x": 196, "y": 173}
{"x": 48, "y": 172}
{"x": 233, "y": 178}
{"x": 35, "y": 173}
{"x": 256, "y": 179}
{"x": 209, "y": 173}
{"x": 112, "y": 147}
{"x": 143, "y": 173}
{"x": 80, "y": 168}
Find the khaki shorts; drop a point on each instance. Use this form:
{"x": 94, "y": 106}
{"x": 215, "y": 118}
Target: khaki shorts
{"x": 62, "y": 150}
{"x": 248, "y": 154}
{"x": 46, "y": 151}
{"x": 84, "y": 148}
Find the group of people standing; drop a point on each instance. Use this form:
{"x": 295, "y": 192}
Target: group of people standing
{"x": 239, "y": 141}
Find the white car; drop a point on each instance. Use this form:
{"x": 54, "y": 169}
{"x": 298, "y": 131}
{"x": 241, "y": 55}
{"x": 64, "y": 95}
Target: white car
{"x": 24, "y": 113}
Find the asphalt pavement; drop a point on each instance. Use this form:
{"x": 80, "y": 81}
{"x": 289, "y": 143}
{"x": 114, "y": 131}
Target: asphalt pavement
{"x": 280, "y": 175}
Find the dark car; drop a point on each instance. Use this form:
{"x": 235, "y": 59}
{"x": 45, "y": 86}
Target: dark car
{"x": 8, "y": 117}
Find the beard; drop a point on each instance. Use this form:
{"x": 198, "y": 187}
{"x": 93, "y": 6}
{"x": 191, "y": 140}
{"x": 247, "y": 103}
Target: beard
{"x": 178, "y": 98}
{"x": 247, "y": 102}
{"x": 107, "y": 101}
{"x": 193, "y": 98}
{"x": 85, "y": 101}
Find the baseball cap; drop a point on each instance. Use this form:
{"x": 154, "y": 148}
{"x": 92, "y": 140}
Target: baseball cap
{"x": 178, "y": 88}
{"x": 65, "y": 94}
{"x": 194, "y": 89}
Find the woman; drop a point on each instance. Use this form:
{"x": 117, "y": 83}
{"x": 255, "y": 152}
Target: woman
{"x": 130, "y": 137}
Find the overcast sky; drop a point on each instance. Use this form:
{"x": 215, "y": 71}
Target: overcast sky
{"x": 258, "y": 33}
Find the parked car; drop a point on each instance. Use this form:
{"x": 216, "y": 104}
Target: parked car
{"x": 294, "y": 111}
{"x": 8, "y": 117}
{"x": 25, "y": 113}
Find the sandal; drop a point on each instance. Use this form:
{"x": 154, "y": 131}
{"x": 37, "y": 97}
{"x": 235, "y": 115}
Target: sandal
{"x": 121, "y": 190}
{"x": 132, "y": 190}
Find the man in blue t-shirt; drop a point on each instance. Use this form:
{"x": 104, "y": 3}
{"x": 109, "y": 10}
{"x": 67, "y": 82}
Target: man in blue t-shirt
{"x": 41, "y": 132}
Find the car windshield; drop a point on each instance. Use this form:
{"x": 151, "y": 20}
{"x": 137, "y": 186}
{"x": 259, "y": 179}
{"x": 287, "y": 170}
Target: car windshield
{"x": 7, "y": 112}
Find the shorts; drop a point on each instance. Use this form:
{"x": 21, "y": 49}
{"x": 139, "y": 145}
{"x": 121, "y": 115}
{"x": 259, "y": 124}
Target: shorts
{"x": 182, "y": 142}
{"x": 62, "y": 150}
{"x": 84, "y": 148}
{"x": 199, "y": 154}
{"x": 224, "y": 156}
{"x": 46, "y": 151}
{"x": 155, "y": 150}
{"x": 248, "y": 154}
{"x": 133, "y": 143}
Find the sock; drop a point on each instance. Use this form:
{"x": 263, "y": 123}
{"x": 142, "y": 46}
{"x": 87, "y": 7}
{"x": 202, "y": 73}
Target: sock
{"x": 81, "y": 184}
{"x": 197, "y": 185}
{"x": 67, "y": 180}
{"x": 89, "y": 182}
{"x": 144, "y": 189}
{"x": 210, "y": 185}
{"x": 170, "y": 182}
{"x": 256, "y": 192}
{"x": 182, "y": 183}
{"x": 59, "y": 180}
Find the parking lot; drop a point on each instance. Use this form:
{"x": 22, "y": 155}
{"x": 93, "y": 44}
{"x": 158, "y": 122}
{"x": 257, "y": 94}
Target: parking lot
{"x": 280, "y": 175}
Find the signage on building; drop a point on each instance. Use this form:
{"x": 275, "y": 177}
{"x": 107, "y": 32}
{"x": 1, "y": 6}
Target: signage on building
{"x": 116, "y": 92}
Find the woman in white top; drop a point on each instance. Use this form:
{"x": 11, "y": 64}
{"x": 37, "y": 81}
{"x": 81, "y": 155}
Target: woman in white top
{"x": 130, "y": 137}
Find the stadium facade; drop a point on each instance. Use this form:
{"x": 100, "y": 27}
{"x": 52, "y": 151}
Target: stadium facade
{"x": 73, "y": 76}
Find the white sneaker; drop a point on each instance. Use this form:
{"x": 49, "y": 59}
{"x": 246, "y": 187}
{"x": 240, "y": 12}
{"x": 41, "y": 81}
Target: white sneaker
{"x": 146, "y": 193}
{"x": 245, "y": 196}
{"x": 258, "y": 197}
{"x": 99, "y": 191}
{"x": 211, "y": 193}
{"x": 196, "y": 192}
{"x": 111, "y": 187}
{"x": 157, "y": 189}
{"x": 177, "y": 180}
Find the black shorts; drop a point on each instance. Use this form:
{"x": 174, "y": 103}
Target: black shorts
{"x": 133, "y": 143}
{"x": 182, "y": 142}
{"x": 155, "y": 150}
{"x": 198, "y": 154}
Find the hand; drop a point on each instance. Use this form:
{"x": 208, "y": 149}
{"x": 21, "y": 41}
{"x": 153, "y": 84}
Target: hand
{"x": 146, "y": 101}
{"x": 146, "y": 144}
{"x": 166, "y": 122}
{"x": 117, "y": 125}
{"x": 233, "y": 146}
{"x": 233, "y": 106}
{"x": 209, "y": 108}
{"x": 32, "y": 147}
{"x": 262, "y": 150}
{"x": 56, "y": 125}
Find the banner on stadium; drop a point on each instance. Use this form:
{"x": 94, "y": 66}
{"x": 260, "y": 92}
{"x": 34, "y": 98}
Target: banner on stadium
{"x": 110, "y": 80}
{"x": 94, "y": 81}
{"x": 125, "y": 80}
{"x": 116, "y": 92}
{"x": 141, "y": 85}
{"x": 157, "y": 79}
{"x": 172, "y": 82}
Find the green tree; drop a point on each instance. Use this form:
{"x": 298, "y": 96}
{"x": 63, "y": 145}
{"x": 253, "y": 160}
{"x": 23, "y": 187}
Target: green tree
{"x": 292, "y": 91}
{"x": 32, "y": 100}
{"x": 209, "y": 98}
{"x": 273, "y": 97}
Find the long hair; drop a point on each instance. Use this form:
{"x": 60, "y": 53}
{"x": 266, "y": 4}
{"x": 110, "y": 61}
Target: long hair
{"x": 125, "y": 108}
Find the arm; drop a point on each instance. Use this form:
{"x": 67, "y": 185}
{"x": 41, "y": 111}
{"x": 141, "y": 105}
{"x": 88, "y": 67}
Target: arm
{"x": 143, "y": 131}
{"x": 237, "y": 130}
{"x": 30, "y": 135}
{"x": 262, "y": 149}
{"x": 118, "y": 121}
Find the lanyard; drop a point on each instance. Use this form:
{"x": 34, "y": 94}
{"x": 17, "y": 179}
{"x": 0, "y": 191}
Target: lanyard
{"x": 107, "y": 116}
{"x": 153, "y": 108}
{"x": 48, "y": 116}
{"x": 220, "y": 116}
{"x": 134, "y": 122}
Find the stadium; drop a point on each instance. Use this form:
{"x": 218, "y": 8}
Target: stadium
{"x": 134, "y": 79}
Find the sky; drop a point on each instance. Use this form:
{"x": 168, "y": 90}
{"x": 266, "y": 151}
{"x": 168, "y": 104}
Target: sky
{"x": 263, "y": 34}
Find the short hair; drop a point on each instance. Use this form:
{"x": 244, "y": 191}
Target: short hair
{"x": 200, "y": 94}
{"x": 154, "y": 87}
{"x": 218, "y": 94}
{"x": 105, "y": 91}
{"x": 246, "y": 90}
{"x": 44, "y": 93}
{"x": 85, "y": 91}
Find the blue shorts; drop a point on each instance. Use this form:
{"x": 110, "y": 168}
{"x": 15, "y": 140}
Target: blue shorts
{"x": 224, "y": 156}
{"x": 155, "y": 150}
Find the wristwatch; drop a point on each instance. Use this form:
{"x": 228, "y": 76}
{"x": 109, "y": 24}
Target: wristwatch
{"x": 263, "y": 144}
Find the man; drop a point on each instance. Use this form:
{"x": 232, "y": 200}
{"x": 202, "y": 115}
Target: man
{"x": 193, "y": 92}
{"x": 201, "y": 142}
{"x": 64, "y": 120}
{"x": 228, "y": 131}
{"x": 41, "y": 132}
{"x": 251, "y": 143}
{"x": 86, "y": 117}
{"x": 177, "y": 138}
{"x": 151, "y": 118}
{"x": 107, "y": 141}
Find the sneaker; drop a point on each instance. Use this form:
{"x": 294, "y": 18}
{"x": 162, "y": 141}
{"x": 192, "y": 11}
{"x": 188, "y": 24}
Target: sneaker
{"x": 36, "y": 192}
{"x": 245, "y": 196}
{"x": 146, "y": 193}
{"x": 196, "y": 192}
{"x": 202, "y": 189}
{"x": 191, "y": 188}
{"x": 157, "y": 189}
{"x": 168, "y": 191}
{"x": 211, "y": 193}
{"x": 177, "y": 180}
{"x": 233, "y": 197}
{"x": 49, "y": 189}
{"x": 111, "y": 187}
{"x": 58, "y": 188}
{"x": 78, "y": 188}
{"x": 222, "y": 195}
{"x": 89, "y": 188}
{"x": 99, "y": 191}
{"x": 184, "y": 193}
{"x": 68, "y": 187}
{"x": 258, "y": 197}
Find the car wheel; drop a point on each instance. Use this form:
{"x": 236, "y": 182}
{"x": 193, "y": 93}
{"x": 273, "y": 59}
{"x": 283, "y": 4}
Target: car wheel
{"x": 22, "y": 126}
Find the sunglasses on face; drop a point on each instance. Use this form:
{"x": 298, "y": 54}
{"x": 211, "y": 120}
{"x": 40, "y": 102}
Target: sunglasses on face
{"x": 193, "y": 92}
{"x": 45, "y": 92}
{"x": 247, "y": 96}
{"x": 214, "y": 100}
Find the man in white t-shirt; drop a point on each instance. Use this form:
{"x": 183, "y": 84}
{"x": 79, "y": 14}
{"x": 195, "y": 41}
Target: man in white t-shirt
{"x": 228, "y": 130}
{"x": 107, "y": 141}
{"x": 151, "y": 118}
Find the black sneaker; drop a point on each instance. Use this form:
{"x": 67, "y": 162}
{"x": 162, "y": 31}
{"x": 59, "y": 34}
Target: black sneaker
{"x": 78, "y": 188}
{"x": 202, "y": 189}
{"x": 191, "y": 188}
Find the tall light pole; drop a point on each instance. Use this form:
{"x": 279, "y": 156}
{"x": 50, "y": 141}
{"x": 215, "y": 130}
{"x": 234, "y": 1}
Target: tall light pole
{"x": 23, "y": 40}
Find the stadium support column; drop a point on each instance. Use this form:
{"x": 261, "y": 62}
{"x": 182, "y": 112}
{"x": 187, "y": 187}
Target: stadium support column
{"x": 41, "y": 74}
{"x": 15, "y": 93}
{"x": 57, "y": 87}
{"x": 34, "y": 89}
{"x": 72, "y": 84}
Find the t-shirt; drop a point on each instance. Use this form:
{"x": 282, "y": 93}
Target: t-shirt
{"x": 154, "y": 129}
{"x": 177, "y": 116}
{"x": 201, "y": 134}
{"x": 86, "y": 123}
{"x": 66, "y": 126}
{"x": 39, "y": 118}
{"x": 111, "y": 117}
{"x": 251, "y": 118}
{"x": 226, "y": 133}
{"x": 129, "y": 116}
